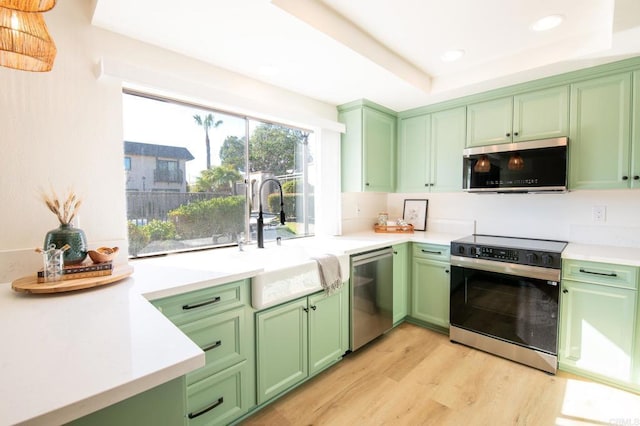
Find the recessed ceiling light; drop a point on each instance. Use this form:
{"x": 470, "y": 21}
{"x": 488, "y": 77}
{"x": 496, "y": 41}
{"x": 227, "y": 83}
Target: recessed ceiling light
{"x": 451, "y": 55}
{"x": 547, "y": 23}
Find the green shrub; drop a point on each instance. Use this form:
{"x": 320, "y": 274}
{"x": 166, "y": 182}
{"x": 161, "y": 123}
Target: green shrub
{"x": 138, "y": 239}
{"x": 291, "y": 203}
{"x": 159, "y": 230}
{"x": 224, "y": 215}
{"x": 289, "y": 187}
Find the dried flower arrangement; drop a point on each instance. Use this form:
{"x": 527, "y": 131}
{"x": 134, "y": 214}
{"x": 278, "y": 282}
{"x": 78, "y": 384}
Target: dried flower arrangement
{"x": 65, "y": 211}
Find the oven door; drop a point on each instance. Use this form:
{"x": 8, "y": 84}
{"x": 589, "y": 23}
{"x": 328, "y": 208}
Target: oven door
{"x": 514, "y": 308}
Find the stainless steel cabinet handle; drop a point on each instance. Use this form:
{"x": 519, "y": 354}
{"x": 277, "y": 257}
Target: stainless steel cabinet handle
{"x": 201, "y": 304}
{"x": 305, "y": 309}
{"x": 314, "y": 307}
{"x": 207, "y": 409}
{"x": 610, "y": 274}
{"x": 213, "y": 346}
{"x": 431, "y": 252}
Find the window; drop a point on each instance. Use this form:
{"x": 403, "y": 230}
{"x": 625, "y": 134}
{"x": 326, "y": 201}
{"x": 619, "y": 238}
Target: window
{"x": 197, "y": 176}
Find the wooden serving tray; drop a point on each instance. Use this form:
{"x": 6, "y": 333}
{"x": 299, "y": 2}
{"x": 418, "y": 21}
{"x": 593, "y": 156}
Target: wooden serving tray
{"x": 394, "y": 229}
{"x": 30, "y": 284}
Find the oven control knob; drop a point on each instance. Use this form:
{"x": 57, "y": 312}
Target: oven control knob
{"x": 547, "y": 259}
{"x": 461, "y": 250}
{"x": 532, "y": 258}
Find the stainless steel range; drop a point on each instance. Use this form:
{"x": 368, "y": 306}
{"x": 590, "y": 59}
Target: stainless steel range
{"x": 504, "y": 297}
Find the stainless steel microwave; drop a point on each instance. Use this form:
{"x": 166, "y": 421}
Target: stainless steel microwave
{"x": 533, "y": 166}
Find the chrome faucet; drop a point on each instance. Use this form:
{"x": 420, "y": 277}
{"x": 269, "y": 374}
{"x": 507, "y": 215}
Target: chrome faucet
{"x": 260, "y": 219}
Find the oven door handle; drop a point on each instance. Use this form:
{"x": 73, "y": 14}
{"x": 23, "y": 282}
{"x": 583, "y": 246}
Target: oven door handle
{"x": 526, "y": 271}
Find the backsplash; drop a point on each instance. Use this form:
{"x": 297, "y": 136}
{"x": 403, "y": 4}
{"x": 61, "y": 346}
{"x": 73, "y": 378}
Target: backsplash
{"x": 566, "y": 216}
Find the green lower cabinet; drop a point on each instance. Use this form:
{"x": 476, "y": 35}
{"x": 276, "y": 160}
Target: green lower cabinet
{"x": 597, "y": 331}
{"x": 162, "y": 405}
{"x": 281, "y": 334}
{"x": 219, "y": 320}
{"x": 430, "y": 292}
{"x": 430, "y": 285}
{"x": 298, "y": 339}
{"x": 401, "y": 269}
{"x": 220, "y": 398}
{"x": 326, "y": 343}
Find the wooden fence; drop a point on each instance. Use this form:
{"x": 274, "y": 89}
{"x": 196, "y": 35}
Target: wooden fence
{"x": 142, "y": 207}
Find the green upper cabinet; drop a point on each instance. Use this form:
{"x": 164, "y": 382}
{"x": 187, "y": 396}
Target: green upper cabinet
{"x": 533, "y": 115}
{"x": 490, "y": 122}
{"x": 448, "y": 129}
{"x": 413, "y": 154}
{"x": 430, "y": 151}
{"x": 600, "y": 149}
{"x": 368, "y": 148}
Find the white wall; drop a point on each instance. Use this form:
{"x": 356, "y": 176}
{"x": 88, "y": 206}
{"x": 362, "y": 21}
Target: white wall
{"x": 566, "y": 216}
{"x": 64, "y": 128}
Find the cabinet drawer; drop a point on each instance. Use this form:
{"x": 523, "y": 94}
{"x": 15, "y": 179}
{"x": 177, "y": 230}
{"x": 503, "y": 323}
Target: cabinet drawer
{"x": 196, "y": 304}
{"x": 219, "y": 337}
{"x": 601, "y": 273}
{"x": 431, "y": 251}
{"x": 219, "y": 399}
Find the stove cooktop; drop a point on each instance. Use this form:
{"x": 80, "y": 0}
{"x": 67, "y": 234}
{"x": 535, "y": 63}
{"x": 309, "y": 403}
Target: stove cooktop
{"x": 526, "y": 251}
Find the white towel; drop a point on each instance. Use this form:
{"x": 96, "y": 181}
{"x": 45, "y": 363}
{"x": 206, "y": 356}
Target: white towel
{"x": 330, "y": 274}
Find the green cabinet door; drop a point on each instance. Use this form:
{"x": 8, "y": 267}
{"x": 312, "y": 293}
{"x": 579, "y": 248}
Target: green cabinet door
{"x": 379, "y": 134}
{"x": 448, "y": 130}
{"x": 599, "y": 137}
{"x": 281, "y": 348}
{"x": 541, "y": 114}
{"x": 413, "y": 154}
{"x": 597, "y": 330}
{"x": 368, "y": 147}
{"x": 401, "y": 265}
{"x": 635, "y": 133}
{"x": 325, "y": 330}
{"x": 489, "y": 122}
{"x": 430, "y": 292}
{"x": 533, "y": 115}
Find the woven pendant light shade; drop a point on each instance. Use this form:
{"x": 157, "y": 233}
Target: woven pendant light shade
{"x": 28, "y": 5}
{"x": 25, "y": 43}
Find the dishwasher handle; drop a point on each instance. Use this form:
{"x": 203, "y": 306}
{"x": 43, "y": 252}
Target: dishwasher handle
{"x": 371, "y": 256}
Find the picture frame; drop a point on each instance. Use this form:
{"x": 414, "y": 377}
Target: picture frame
{"x": 415, "y": 213}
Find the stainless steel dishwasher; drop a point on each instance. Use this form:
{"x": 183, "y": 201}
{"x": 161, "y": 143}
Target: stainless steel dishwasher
{"x": 371, "y": 295}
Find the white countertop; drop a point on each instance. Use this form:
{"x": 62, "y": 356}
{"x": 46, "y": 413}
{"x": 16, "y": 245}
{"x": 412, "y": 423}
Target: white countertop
{"x": 67, "y": 355}
{"x": 607, "y": 254}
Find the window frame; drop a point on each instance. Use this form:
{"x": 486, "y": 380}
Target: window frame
{"x": 309, "y": 218}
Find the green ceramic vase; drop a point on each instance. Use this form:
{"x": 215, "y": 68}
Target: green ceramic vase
{"x": 67, "y": 234}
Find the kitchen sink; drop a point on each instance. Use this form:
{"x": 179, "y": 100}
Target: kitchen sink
{"x": 288, "y": 273}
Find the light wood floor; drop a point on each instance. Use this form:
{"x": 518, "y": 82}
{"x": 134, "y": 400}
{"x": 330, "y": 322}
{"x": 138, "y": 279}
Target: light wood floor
{"x": 414, "y": 376}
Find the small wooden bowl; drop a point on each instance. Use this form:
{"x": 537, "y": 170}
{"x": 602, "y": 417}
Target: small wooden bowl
{"x": 103, "y": 254}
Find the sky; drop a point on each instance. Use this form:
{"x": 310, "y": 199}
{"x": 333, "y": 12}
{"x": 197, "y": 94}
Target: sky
{"x": 164, "y": 123}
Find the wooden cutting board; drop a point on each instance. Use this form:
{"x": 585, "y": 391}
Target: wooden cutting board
{"x": 30, "y": 284}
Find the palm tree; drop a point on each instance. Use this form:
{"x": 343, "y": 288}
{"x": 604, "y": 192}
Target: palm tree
{"x": 207, "y": 122}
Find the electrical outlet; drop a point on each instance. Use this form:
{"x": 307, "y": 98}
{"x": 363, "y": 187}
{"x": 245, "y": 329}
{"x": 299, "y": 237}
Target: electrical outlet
{"x": 599, "y": 213}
